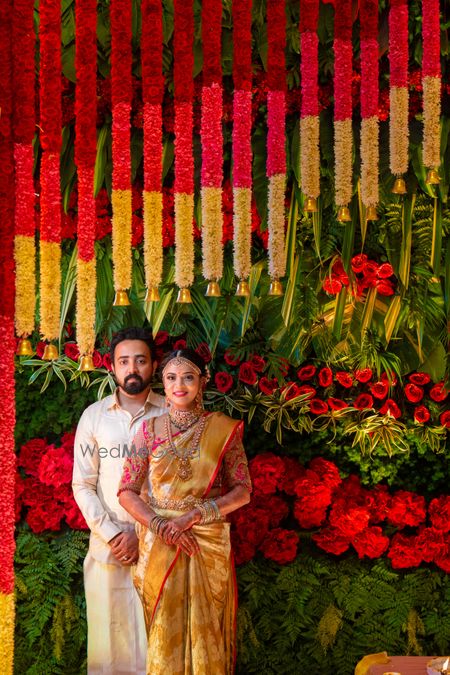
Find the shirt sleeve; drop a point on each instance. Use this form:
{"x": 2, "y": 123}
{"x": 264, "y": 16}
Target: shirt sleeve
{"x": 234, "y": 470}
{"x": 135, "y": 468}
{"x": 84, "y": 482}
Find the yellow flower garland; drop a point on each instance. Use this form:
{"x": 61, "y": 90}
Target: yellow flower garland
{"x": 431, "y": 121}
{"x": 343, "y": 149}
{"x": 153, "y": 242}
{"x": 398, "y": 130}
{"x": 369, "y": 161}
{"x": 309, "y": 155}
{"x": 242, "y": 231}
{"x": 24, "y": 256}
{"x": 184, "y": 240}
{"x": 276, "y": 220}
{"x": 86, "y": 292}
{"x": 121, "y": 238}
{"x": 50, "y": 277}
{"x": 212, "y": 218}
{"x": 7, "y": 613}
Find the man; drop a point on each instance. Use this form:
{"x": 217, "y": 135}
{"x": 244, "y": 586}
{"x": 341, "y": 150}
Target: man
{"x": 117, "y": 641}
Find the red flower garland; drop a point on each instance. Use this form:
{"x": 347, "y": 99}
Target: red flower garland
{"x": 369, "y": 103}
{"x": 309, "y": 117}
{"x": 85, "y": 154}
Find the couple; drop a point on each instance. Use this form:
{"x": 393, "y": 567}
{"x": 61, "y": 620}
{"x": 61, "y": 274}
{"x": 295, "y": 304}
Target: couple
{"x": 183, "y": 473}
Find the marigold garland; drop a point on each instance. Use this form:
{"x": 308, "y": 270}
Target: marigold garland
{"x": 85, "y": 154}
{"x": 276, "y": 153}
{"x": 343, "y": 137}
{"x": 121, "y": 93}
{"x": 152, "y": 94}
{"x": 50, "y": 125}
{"x": 369, "y": 102}
{"x": 241, "y": 141}
{"x": 398, "y": 92}
{"x": 309, "y": 117}
{"x": 184, "y": 160}
{"x": 23, "y": 45}
{"x": 431, "y": 80}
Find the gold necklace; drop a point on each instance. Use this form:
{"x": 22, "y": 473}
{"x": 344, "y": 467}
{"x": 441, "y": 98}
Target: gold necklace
{"x": 184, "y": 455}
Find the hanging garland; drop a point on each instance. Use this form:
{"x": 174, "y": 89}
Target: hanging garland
{"x": 343, "y": 140}
{"x": 152, "y": 94}
{"x": 398, "y": 92}
{"x": 85, "y": 154}
{"x": 24, "y": 125}
{"x": 369, "y": 107}
{"x": 241, "y": 141}
{"x": 276, "y": 151}
{"x": 50, "y": 125}
{"x": 121, "y": 96}
{"x": 431, "y": 82}
{"x": 184, "y": 161}
{"x": 309, "y": 117}
{"x": 211, "y": 136}
{"x": 7, "y": 340}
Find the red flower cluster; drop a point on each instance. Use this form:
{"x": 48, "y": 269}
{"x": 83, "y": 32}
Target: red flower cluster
{"x": 367, "y": 274}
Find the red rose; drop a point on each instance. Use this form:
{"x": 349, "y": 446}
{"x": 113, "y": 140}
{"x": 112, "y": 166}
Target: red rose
{"x": 40, "y": 349}
{"x": 306, "y": 373}
{"x": 363, "y": 401}
{"x": 306, "y": 390}
{"x": 336, "y": 403}
{"x": 280, "y": 546}
{"x": 413, "y": 393}
{"x": 389, "y": 378}
{"x": 407, "y": 508}
{"x": 332, "y": 285}
{"x": 364, "y": 375}
{"x": 203, "y": 351}
{"x": 31, "y": 454}
{"x": 223, "y": 381}
{"x": 439, "y": 510}
{"x": 97, "y": 359}
{"x": 421, "y": 414}
{"x": 358, "y": 262}
{"x": 56, "y": 467}
{"x": 291, "y": 390}
{"x": 331, "y": 540}
{"x": 404, "y": 552}
{"x": 161, "y": 337}
{"x": 438, "y": 393}
{"x": 230, "y": 359}
{"x": 419, "y": 378}
{"x": 379, "y": 389}
{"x": 371, "y": 542}
{"x": 338, "y": 270}
{"x": 325, "y": 377}
{"x": 318, "y": 407}
{"x": 370, "y": 270}
{"x": 266, "y": 471}
{"x": 247, "y": 374}
{"x": 390, "y": 408}
{"x": 71, "y": 350}
{"x": 385, "y": 271}
{"x": 292, "y": 472}
{"x": 444, "y": 419}
{"x": 258, "y": 363}
{"x": 268, "y": 386}
{"x": 385, "y": 287}
{"x": 106, "y": 361}
{"x": 348, "y": 518}
{"x": 179, "y": 344}
{"x": 345, "y": 379}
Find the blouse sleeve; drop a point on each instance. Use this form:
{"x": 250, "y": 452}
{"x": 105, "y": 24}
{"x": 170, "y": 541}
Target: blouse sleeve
{"x": 135, "y": 467}
{"x": 235, "y": 467}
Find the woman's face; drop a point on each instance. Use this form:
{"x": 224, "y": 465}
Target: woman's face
{"x": 181, "y": 385}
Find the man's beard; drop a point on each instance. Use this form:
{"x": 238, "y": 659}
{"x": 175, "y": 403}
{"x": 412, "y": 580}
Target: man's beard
{"x": 134, "y": 384}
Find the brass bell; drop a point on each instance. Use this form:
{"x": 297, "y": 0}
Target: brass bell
{"x": 50, "y": 353}
{"x": 276, "y": 287}
{"x": 399, "y": 187}
{"x": 86, "y": 363}
{"x": 243, "y": 289}
{"x": 121, "y": 299}
{"x": 344, "y": 215}
{"x": 213, "y": 290}
{"x": 152, "y": 294}
{"x": 433, "y": 177}
{"x": 371, "y": 213}
{"x": 184, "y": 296}
{"x": 310, "y": 205}
{"x": 24, "y": 348}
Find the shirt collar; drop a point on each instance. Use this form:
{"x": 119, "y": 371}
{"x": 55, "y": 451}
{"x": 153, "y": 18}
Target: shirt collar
{"x": 151, "y": 400}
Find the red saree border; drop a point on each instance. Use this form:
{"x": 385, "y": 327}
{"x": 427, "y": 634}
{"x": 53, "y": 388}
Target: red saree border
{"x": 238, "y": 427}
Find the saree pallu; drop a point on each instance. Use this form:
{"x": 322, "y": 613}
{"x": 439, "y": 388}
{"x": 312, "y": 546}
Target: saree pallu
{"x": 189, "y": 602}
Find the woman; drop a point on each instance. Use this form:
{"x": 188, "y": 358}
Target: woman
{"x": 197, "y": 473}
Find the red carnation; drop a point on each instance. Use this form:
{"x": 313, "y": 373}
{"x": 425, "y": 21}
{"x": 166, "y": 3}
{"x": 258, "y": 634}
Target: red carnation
{"x": 327, "y": 470}
{"x": 244, "y": 521}
{"x": 363, "y": 401}
{"x": 231, "y": 359}
{"x": 325, "y": 377}
{"x": 378, "y": 501}
{"x": 407, "y": 508}
{"x": 419, "y": 378}
{"x": 247, "y": 373}
{"x": 336, "y": 403}
{"x": 274, "y": 506}
{"x": 390, "y": 408}
{"x": 404, "y": 552}
{"x": 438, "y": 393}
{"x": 385, "y": 271}
{"x": 56, "y": 467}
{"x": 371, "y": 542}
{"x": 439, "y": 510}
{"x": 442, "y": 559}
{"x": 223, "y": 381}
{"x": 280, "y": 545}
{"x": 314, "y": 497}
{"x": 444, "y": 419}
{"x": 71, "y": 350}
{"x": 379, "y": 389}
{"x": 306, "y": 373}
{"x": 348, "y": 518}
{"x": 421, "y": 414}
{"x": 258, "y": 363}
{"x": 204, "y": 351}
{"x": 293, "y": 470}
{"x": 331, "y": 540}
{"x": 179, "y": 344}
{"x": 364, "y": 375}
{"x": 268, "y": 386}
{"x": 266, "y": 471}
{"x": 243, "y": 550}
{"x": 318, "y": 407}
{"x": 345, "y": 379}
{"x": 358, "y": 263}
{"x": 413, "y": 393}
{"x": 309, "y": 516}
{"x": 431, "y": 544}
{"x": 31, "y": 454}
{"x": 45, "y": 516}
{"x": 332, "y": 285}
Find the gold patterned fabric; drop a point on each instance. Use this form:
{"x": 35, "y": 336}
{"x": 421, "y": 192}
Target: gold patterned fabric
{"x": 189, "y": 602}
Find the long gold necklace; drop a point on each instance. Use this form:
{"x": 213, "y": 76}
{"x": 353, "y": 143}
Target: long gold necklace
{"x": 184, "y": 455}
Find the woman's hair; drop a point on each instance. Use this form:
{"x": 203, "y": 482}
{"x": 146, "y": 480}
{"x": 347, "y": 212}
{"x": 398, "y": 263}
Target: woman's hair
{"x": 187, "y": 353}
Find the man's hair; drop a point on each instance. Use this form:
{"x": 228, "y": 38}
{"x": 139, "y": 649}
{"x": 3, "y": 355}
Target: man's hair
{"x": 132, "y": 333}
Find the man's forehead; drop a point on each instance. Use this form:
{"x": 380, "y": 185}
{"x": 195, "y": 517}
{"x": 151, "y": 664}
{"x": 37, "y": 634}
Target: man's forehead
{"x": 133, "y": 348}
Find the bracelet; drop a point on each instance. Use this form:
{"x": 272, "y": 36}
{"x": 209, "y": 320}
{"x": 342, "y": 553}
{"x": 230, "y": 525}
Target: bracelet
{"x": 156, "y": 524}
{"x": 209, "y": 511}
